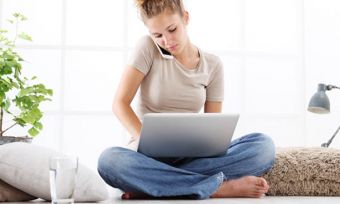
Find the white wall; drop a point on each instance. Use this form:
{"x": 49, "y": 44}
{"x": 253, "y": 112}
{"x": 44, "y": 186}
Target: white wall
{"x": 275, "y": 52}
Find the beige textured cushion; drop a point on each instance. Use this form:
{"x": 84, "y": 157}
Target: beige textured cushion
{"x": 305, "y": 172}
{"x": 26, "y": 167}
{"x": 10, "y": 194}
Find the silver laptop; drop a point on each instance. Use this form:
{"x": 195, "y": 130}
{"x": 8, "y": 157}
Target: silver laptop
{"x": 186, "y": 134}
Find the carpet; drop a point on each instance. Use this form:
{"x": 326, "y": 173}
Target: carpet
{"x": 301, "y": 171}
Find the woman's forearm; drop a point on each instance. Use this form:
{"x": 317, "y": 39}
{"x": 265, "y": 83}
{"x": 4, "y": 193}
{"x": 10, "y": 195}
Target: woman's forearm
{"x": 128, "y": 118}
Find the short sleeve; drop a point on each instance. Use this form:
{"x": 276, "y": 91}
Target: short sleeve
{"x": 143, "y": 54}
{"x": 215, "y": 88}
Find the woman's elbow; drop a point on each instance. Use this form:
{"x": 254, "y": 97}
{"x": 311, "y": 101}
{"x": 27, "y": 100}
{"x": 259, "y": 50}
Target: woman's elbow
{"x": 115, "y": 106}
{"x": 118, "y": 106}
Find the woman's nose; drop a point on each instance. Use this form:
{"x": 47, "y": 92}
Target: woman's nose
{"x": 165, "y": 40}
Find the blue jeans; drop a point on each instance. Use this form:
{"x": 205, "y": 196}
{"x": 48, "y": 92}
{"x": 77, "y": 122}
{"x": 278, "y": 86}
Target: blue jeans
{"x": 197, "y": 178}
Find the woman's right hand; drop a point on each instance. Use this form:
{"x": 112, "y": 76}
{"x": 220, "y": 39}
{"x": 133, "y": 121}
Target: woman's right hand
{"x": 133, "y": 144}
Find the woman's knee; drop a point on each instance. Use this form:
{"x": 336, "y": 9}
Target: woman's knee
{"x": 111, "y": 161}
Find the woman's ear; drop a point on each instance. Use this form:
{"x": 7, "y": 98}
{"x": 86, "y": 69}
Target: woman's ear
{"x": 186, "y": 17}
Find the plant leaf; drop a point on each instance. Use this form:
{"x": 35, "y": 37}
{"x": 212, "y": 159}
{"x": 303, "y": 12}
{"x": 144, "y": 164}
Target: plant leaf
{"x": 26, "y": 91}
{"x": 19, "y": 16}
{"x": 25, "y": 36}
{"x": 33, "y": 131}
{"x": 50, "y": 92}
{"x": 7, "y": 105}
{"x": 20, "y": 121}
{"x": 38, "y": 125}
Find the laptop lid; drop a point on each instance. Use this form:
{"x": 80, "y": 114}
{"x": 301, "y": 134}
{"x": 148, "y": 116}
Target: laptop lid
{"x": 186, "y": 134}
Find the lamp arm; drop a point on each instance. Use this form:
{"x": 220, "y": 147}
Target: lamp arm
{"x": 330, "y": 87}
{"x": 331, "y": 139}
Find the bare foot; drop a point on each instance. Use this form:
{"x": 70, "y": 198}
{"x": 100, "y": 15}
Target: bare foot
{"x": 248, "y": 186}
{"x": 133, "y": 195}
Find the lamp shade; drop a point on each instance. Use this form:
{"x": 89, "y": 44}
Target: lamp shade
{"x": 319, "y": 103}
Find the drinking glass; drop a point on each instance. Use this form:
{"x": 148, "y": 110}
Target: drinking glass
{"x": 63, "y": 171}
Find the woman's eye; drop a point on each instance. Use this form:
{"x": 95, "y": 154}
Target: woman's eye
{"x": 172, "y": 30}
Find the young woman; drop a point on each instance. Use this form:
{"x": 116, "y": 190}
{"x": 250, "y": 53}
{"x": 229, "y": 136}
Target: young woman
{"x": 192, "y": 80}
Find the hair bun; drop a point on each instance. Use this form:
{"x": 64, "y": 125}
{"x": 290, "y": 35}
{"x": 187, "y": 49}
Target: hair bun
{"x": 139, "y": 3}
{"x": 150, "y": 8}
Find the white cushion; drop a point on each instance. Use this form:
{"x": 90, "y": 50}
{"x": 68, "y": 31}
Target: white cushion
{"x": 10, "y": 194}
{"x": 26, "y": 167}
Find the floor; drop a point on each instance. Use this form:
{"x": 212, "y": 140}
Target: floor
{"x": 264, "y": 200}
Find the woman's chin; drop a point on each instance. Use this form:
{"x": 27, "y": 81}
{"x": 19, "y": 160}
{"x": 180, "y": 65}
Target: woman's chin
{"x": 174, "y": 52}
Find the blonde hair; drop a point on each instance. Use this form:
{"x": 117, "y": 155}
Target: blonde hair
{"x": 151, "y": 8}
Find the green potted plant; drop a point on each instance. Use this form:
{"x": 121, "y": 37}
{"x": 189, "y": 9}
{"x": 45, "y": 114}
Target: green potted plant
{"x": 20, "y": 97}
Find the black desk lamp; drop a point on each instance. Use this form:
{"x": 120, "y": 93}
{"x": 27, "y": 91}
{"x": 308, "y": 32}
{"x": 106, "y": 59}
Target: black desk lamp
{"x": 319, "y": 103}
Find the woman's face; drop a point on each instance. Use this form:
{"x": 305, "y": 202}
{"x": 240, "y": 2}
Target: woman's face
{"x": 168, "y": 30}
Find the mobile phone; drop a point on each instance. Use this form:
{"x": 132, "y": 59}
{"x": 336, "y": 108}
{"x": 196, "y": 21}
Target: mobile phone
{"x": 165, "y": 54}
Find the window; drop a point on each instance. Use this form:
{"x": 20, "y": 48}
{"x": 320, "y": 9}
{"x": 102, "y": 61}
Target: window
{"x": 274, "y": 53}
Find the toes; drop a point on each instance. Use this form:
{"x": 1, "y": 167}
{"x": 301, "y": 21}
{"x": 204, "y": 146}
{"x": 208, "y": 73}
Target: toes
{"x": 125, "y": 196}
{"x": 259, "y": 194}
{"x": 262, "y": 182}
{"x": 261, "y": 191}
